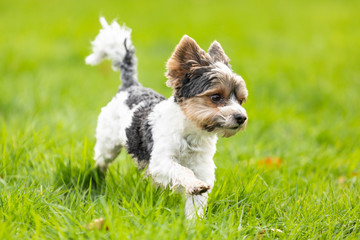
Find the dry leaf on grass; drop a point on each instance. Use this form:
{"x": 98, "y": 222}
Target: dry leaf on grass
{"x": 271, "y": 162}
{"x": 97, "y": 224}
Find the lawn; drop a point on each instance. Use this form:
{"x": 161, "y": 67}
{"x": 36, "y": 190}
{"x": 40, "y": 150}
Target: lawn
{"x": 293, "y": 174}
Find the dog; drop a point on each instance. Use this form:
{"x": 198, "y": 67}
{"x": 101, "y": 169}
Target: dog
{"x": 175, "y": 138}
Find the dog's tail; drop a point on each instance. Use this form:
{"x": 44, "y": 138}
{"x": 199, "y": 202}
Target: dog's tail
{"x": 114, "y": 42}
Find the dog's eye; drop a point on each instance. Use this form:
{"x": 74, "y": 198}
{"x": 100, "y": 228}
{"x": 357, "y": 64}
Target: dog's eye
{"x": 216, "y": 98}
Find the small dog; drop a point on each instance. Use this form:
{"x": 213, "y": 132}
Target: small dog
{"x": 174, "y": 138}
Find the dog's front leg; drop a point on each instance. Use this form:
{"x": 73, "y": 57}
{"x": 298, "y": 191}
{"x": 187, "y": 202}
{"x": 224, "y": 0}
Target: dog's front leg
{"x": 195, "y": 205}
{"x": 167, "y": 172}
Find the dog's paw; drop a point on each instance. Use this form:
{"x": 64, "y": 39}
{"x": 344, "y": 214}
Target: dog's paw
{"x": 101, "y": 168}
{"x": 198, "y": 188}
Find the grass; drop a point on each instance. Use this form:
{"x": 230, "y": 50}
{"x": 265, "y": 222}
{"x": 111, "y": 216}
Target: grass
{"x": 295, "y": 169}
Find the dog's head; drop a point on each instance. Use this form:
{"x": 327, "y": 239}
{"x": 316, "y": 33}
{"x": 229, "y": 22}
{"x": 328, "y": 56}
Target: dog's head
{"x": 209, "y": 93}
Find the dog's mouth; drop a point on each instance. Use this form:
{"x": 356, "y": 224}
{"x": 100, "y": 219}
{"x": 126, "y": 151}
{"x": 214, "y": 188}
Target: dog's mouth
{"x": 234, "y": 127}
{"x": 224, "y": 131}
{"x": 228, "y": 131}
{"x": 211, "y": 128}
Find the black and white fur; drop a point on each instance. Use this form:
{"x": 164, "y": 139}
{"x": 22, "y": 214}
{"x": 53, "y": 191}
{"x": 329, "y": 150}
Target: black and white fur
{"x": 160, "y": 133}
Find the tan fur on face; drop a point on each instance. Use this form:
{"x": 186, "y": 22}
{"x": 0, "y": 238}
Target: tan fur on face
{"x": 215, "y": 116}
{"x": 206, "y": 115}
{"x": 226, "y": 82}
{"x": 200, "y": 110}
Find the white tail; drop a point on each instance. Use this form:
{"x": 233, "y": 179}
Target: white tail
{"x": 112, "y": 42}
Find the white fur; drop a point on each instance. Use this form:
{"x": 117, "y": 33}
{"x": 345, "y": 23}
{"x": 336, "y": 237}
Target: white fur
{"x": 182, "y": 154}
{"x": 109, "y": 43}
{"x": 179, "y": 140}
{"x": 114, "y": 118}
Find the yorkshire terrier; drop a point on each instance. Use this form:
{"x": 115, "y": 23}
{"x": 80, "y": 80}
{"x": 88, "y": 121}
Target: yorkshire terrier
{"x": 174, "y": 138}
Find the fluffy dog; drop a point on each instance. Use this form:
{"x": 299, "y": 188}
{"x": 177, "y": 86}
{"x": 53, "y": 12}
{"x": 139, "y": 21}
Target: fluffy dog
{"x": 174, "y": 138}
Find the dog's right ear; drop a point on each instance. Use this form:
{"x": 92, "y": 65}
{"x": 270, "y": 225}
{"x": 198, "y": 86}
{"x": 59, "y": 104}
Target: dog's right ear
{"x": 217, "y": 53}
{"x": 187, "y": 55}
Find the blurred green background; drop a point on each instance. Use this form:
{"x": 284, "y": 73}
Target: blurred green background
{"x": 300, "y": 60}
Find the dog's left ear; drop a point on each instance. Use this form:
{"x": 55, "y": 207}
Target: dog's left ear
{"x": 217, "y": 53}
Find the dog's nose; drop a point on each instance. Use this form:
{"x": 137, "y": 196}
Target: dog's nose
{"x": 240, "y": 119}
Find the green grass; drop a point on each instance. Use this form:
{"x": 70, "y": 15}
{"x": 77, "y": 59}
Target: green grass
{"x": 301, "y": 62}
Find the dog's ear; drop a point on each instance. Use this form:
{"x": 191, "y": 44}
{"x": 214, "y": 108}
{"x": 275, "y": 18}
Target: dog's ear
{"x": 187, "y": 55}
{"x": 217, "y": 53}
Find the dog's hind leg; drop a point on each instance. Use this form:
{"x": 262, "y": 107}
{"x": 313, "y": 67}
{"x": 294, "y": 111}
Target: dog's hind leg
{"x": 108, "y": 140}
{"x": 104, "y": 155}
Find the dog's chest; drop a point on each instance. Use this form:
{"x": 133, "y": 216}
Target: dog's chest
{"x": 194, "y": 149}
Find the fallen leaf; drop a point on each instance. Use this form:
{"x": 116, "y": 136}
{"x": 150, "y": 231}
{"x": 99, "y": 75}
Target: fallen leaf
{"x": 271, "y": 162}
{"x": 97, "y": 224}
{"x": 260, "y": 234}
{"x": 341, "y": 179}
